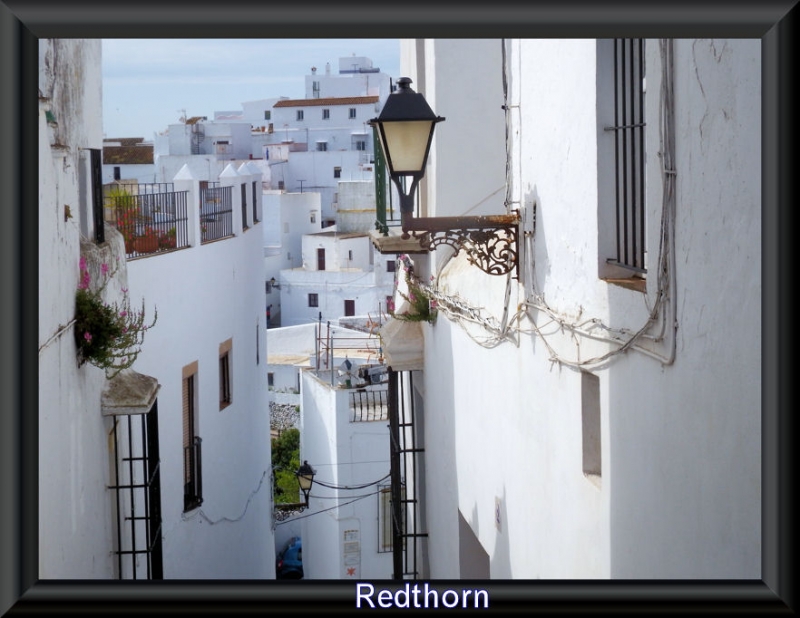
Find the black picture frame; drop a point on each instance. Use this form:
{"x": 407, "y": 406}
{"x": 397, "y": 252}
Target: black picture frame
{"x": 23, "y": 22}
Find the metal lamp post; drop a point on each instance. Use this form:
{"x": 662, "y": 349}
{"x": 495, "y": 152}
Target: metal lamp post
{"x": 405, "y": 130}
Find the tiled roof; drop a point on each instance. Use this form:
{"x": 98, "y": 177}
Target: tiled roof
{"x": 327, "y": 101}
{"x": 128, "y": 155}
{"x": 124, "y": 141}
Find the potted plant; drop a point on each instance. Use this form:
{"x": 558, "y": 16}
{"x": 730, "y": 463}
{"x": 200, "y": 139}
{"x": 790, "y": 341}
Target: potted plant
{"x": 147, "y": 242}
{"x": 168, "y": 239}
{"x": 126, "y": 214}
{"x": 107, "y": 335}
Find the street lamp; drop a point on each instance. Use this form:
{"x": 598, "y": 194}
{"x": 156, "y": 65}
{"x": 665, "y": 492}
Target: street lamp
{"x": 305, "y": 476}
{"x": 405, "y": 131}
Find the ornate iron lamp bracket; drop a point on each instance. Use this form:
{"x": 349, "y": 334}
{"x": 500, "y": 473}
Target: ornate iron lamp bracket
{"x": 490, "y": 242}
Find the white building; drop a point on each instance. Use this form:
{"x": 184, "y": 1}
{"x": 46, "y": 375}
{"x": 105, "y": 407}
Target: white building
{"x": 615, "y": 400}
{"x": 287, "y": 218}
{"x": 128, "y": 158}
{"x": 342, "y": 276}
{"x": 336, "y": 272}
{"x": 346, "y": 530}
{"x": 127, "y": 489}
{"x": 209, "y": 350}
{"x": 206, "y": 147}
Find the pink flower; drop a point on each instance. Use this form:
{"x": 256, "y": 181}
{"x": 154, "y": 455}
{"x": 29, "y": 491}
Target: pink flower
{"x": 82, "y": 263}
{"x": 104, "y": 269}
{"x": 411, "y": 297}
{"x": 123, "y": 313}
{"x": 87, "y": 335}
{"x": 124, "y": 290}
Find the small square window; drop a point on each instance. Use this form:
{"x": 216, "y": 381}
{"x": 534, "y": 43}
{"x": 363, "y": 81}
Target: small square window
{"x": 352, "y": 112}
{"x": 326, "y": 114}
{"x": 267, "y": 115}
{"x": 391, "y": 266}
{"x": 299, "y": 114}
{"x": 337, "y": 172}
{"x": 313, "y": 300}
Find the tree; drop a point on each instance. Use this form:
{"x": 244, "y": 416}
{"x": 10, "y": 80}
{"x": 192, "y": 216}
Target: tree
{"x": 285, "y": 462}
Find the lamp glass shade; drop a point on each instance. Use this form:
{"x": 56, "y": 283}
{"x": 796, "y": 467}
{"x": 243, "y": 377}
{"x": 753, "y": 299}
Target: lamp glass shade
{"x": 305, "y": 481}
{"x": 305, "y": 477}
{"x": 405, "y": 145}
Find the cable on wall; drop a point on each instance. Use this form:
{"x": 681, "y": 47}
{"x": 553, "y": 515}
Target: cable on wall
{"x": 199, "y": 512}
{"x": 508, "y": 328}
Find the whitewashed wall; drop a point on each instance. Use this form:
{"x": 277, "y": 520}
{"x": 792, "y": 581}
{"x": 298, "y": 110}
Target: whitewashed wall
{"x": 343, "y": 279}
{"x": 679, "y": 495}
{"x": 75, "y": 517}
{"x": 206, "y": 295}
{"x": 142, "y": 172}
{"x": 344, "y": 454}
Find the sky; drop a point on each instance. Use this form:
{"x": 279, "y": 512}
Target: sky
{"x": 149, "y": 84}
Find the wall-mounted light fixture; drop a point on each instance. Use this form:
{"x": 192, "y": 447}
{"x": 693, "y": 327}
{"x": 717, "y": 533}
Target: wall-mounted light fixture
{"x": 274, "y": 284}
{"x": 405, "y": 130}
{"x": 305, "y": 476}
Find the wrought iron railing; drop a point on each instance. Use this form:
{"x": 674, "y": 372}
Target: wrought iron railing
{"x": 151, "y": 218}
{"x": 216, "y": 212}
{"x": 193, "y": 475}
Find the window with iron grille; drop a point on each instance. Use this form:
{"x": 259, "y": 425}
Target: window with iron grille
{"x": 225, "y": 374}
{"x": 337, "y": 172}
{"x": 136, "y": 487}
{"x": 322, "y": 146}
{"x": 313, "y": 300}
{"x": 326, "y": 114}
{"x": 299, "y": 114}
{"x": 622, "y": 98}
{"x": 352, "y": 112}
{"x": 192, "y": 459}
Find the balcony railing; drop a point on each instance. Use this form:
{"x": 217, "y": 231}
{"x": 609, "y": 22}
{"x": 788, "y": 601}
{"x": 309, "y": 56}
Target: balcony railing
{"x": 150, "y": 221}
{"x": 216, "y": 212}
{"x": 369, "y": 405}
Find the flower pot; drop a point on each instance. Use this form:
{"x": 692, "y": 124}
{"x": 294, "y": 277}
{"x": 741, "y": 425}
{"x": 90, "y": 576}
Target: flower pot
{"x": 146, "y": 244}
